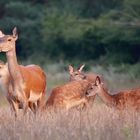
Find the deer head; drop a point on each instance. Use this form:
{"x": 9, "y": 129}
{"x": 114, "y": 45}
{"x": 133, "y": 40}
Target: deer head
{"x": 76, "y": 74}
{"x": 7, "y": 42}
{"x": 94, "y": 88}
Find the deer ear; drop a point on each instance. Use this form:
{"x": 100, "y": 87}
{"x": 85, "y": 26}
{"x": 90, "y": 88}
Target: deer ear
{"x": 1, "y": 34}
{"x": 98, "y": 80}
{"x": 71, "y": 69}
{"x": 81, "y": 68}
{"x": 15, "y": 34}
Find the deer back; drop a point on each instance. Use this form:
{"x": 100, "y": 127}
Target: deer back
{"x": 67, "y": 93}
{"x": 128, "y": 99}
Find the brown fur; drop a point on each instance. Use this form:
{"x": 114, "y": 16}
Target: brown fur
{"x": 69, "y": 95}
{"x": 23, "y": 81}
{"x": 126, "y": 99}
{"x": 78, "y": 74}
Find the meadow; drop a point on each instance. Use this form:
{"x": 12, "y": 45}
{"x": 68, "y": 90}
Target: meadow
{"x": 98, "y": 122}
{"x": 104, "y": 31}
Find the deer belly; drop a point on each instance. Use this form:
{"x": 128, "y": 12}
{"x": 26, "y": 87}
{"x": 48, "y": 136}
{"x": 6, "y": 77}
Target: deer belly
{"x": 34, "y": 96}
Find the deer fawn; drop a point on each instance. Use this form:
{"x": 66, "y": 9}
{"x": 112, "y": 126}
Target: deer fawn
{"x": 76, "y": 75}
{"x": 69, "y": 95}
{"x": 27, "y": 84}
{"x": 122, "y": 100}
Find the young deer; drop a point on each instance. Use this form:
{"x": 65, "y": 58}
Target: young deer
{"x": 69, "y": 95}
{"x": 122, "y": 100}
{"x": 78, "y": 74}
{"x": 27, "y": 84}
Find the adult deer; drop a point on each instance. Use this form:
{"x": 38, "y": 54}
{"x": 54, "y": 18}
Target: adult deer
{"x": 69, "y": 95}
{"x": 122, "y": 100}
{"x": 6, "y": 86}
{"x": 78, "y": 74}
{"x": 27, "y": 84}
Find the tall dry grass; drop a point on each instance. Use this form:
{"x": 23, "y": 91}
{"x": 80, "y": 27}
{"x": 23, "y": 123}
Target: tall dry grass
{"x": 97, "y": 123}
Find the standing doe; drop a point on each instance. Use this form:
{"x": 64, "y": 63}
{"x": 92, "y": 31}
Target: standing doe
{"x": 27, "y": 84}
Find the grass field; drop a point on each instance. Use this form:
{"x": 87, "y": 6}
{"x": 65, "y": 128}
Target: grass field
{"x": 99, "y": 123}
{"x": 96, "y": 123}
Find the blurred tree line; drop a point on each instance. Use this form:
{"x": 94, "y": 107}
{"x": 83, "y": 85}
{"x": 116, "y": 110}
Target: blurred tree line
{"x": 107, "y": 31}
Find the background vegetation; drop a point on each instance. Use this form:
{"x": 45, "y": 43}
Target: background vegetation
{"x": 99, "y": 123}
{"x": 104, "y": 31}
{"x": 103, "y": 34}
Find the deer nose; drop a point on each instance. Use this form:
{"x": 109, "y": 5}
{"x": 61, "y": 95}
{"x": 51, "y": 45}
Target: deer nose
{"x": 84, "y": 77}
{"x": 87, "y": 93}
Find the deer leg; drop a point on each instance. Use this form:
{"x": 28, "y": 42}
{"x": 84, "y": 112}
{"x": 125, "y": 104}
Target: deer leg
{"x": 13, "y": 106}
{"x": 76, "y": 103}
{"x": 25, "y": 107}
{"x": 32, "y": 107}
{"x": 81, "y": 106}
{"x": 84, "y": 104}
{"x": 10, "y": 102}
{"x": 41, "y": 102}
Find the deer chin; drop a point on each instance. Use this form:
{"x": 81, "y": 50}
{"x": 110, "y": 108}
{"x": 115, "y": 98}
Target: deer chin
{"x": 5, "y": 49}
{"x": 88, "y": 94}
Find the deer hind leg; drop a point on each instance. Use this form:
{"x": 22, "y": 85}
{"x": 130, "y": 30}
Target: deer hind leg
{"x": 33, "y": 107}
{"x": 25, "y": 107}
{"x": 13, "y": 105}
{"x": 81, "y": 106}
{"x": 41, "y": 102}
{"x": 84, "y": 104}
{"x": 76, "y": 103}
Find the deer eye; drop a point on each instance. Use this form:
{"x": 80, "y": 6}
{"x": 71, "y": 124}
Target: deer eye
{"x": 91, "y": 88}
{"x": 1, "y": 67}
{"x": 9, "y": 39}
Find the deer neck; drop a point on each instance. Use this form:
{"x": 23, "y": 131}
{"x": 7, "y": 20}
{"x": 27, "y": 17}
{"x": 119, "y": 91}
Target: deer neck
{"x": 105, "y": 96}
{"x": 13, "y": 66}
